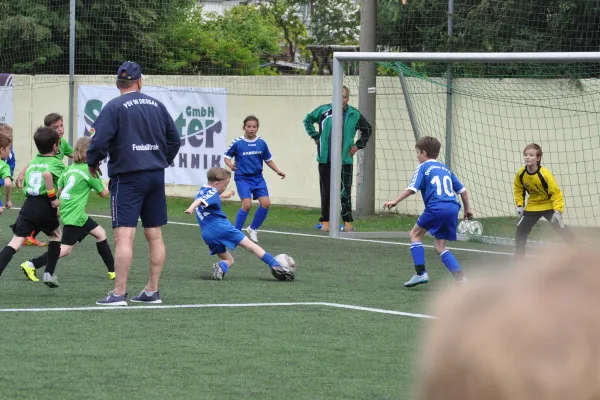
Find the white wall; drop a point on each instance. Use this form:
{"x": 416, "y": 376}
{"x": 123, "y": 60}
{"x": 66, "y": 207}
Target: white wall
{"x": 492, "y": 122}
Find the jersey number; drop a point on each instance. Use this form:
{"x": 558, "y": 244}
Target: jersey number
{"x": 65, "y": 192}
{"x": 446, "y": 183}
{"x": 34, "y": 183}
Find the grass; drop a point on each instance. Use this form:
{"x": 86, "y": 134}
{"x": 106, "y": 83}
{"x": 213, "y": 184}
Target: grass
{"x": 268, "y": 352}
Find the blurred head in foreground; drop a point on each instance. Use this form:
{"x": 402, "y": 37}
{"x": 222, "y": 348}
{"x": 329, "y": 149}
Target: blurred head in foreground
{"x": 531, "y": 333}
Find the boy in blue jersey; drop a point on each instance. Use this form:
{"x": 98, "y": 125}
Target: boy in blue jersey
{"x": 249, "y": 152}
{"x": 438, "y": 186}
{"x": 217, "y": 231}
{"x": 6, "y": 171}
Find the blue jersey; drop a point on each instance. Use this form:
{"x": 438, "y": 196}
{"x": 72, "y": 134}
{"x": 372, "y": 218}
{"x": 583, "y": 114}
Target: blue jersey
{"x": 249, "y": 155}
{"x": 11, "y": 161}
{"x": 210, "y": 208}
{"x": 438, "y": 185}
{"x": 138, "y": 134}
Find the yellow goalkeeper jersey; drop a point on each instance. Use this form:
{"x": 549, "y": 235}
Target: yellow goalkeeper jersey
{"x": 544, "y": 193}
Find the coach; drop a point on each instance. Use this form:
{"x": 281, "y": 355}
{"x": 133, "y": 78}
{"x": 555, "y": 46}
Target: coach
{"x": 141, "y": 140}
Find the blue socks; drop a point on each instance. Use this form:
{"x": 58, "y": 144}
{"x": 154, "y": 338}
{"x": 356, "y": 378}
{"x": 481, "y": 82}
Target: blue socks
{"x": 240, "y": 218}
{"x": 224, "y": 266}
{"x": 450, "y": 261}
{"x": 269, "y": 259}
{"x": 259, "y": 217}
{"x": 418, "y": 254}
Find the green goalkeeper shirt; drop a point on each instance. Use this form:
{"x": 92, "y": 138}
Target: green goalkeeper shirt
{"x": 76, "y": 183}
{"x": 34, "y": 179}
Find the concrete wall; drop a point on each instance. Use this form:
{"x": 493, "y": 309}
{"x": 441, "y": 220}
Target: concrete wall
{"x": 492, "y": 122}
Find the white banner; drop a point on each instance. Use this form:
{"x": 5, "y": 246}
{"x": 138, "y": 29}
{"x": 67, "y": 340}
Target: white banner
{"x": 200, "y": 115}
{"x": 6, "y": 98}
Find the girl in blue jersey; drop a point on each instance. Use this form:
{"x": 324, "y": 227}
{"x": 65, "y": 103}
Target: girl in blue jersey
{"x": 249, "y": 152}
{"x": 217, "y": 231}
{"x": 439, "y": 188}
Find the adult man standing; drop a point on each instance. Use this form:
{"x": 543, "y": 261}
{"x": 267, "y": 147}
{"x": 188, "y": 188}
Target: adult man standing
{"x": 352, "y": 121}
{"x": 141, "y": 140}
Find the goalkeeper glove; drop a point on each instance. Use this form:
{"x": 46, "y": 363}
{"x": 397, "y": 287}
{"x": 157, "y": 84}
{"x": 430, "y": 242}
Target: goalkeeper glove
{"x": 520, "y": 211}
{"x": 557, "y": 219}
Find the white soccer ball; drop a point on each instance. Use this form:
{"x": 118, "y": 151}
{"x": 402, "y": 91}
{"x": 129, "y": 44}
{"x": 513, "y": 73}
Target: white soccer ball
{"x": 286, "y": 261}
{"x": 470, "y": 227}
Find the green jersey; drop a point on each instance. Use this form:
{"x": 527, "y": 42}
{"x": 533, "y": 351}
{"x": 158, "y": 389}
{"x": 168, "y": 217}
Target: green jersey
{"x": 76, "y": 183}
{"x": 34, "y": 180}
{"x": 64, "y": 149}
{"x": 4, "y": 170}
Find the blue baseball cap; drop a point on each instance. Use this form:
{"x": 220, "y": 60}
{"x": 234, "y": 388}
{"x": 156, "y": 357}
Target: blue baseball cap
{"x": 129, "y": 71}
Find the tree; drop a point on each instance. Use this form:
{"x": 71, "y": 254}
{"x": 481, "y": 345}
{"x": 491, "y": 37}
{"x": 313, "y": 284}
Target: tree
{"x": 232, "y": 44}
{"x": 289, "y": 17}
{"x": 334, "y": 21}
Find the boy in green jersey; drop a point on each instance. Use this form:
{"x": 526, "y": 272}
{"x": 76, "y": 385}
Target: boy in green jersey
{"x": 54, "y": 121}
{"x": 39, "y": 211}
{"x": 5, "y": 174}
{"x": 74, "y": 188}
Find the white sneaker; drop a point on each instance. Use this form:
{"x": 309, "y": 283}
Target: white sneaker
{"x": 417, "y": 280}
{"x": 50, "y": 280}
{"x": 253, "y": 234}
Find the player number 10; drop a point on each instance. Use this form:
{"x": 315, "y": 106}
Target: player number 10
{"x": 447, "y": 185}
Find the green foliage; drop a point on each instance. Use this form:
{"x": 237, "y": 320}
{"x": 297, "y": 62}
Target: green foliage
{"x": 490, "y": 26}
{"x": 231, "y": 44}
{"x": 164, "y": 36}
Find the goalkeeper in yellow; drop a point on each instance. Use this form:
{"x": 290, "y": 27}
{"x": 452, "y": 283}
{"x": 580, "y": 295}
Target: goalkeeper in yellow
{"x": 545, "y": 198}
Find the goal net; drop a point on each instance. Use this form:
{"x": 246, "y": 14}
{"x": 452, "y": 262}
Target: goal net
{"x": 484, "y": 116}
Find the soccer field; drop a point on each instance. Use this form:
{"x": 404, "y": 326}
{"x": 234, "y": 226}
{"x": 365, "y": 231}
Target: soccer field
{"x": 345, "y": 328}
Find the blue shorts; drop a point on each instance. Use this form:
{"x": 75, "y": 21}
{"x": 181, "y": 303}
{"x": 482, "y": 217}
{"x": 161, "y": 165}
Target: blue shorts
{"x": 251, "y": 186}
{"x": 441, "y": 222}
{"x": 138, "y": 195}
{"x": 221, "y": 235}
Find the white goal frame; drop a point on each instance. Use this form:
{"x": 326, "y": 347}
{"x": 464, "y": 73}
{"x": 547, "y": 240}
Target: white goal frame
{"x": 339, "y": 58}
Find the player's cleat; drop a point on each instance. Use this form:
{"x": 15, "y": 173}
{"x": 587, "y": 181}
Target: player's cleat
{"x": 282, "y": 274}
{"x": 29, "y": 271}
{"x": 31, "y": 241}
{"x": 462, "y": 280}
{"x": 417, "y": 280}
{"x": 218, "y": 273}
{"x": 325, "y": 226}
{"x": 111, "y": 276}
{"x": 348, "y": 227}
{"x": 50, "y": 280}
{"x": 253, "y": 234}
{"x": 144, "y": 298}
{"x": 113, "y": 300}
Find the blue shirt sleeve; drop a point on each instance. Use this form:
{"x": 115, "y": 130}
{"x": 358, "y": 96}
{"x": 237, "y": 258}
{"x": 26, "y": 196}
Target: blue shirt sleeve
{"x": 266, "y": 153}
{"x": 416, "y": 182}
{"x": 105, "y": 128}
{"x": 173, "y": 139}
{"x": 457, "y": 186}
{"x": 232, "y": 150}
{"x": 209, "y": 197}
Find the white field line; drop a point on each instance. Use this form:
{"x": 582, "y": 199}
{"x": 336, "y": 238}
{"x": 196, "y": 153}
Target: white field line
{"x": 241, "y": 305}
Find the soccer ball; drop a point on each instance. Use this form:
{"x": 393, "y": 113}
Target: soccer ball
{"x": 470, "y": 227}
{"x": 287, "y": 262}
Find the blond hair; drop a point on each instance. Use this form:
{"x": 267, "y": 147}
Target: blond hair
{"x": 6, "y": 130}
{"x": 80, "y": 149}
{"x": 218, "y": 174}
{"x": 537, "y": 148}
{"x": 6, "y": 135}
{"x": 530, "y": 333}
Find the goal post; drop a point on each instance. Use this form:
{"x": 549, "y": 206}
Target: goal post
{"x": 588, "y": 106}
